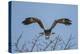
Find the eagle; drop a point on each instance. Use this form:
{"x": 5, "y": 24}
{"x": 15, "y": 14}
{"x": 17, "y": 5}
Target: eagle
{"x": 47, "y": 32}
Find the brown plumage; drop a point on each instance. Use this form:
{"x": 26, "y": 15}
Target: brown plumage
{"x": 31, "y": 20}
{"x": 47, "y": 32}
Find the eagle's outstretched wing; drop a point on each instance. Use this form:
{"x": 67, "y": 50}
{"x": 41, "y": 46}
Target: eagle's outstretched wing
{"x": 64, "y": 21}
{"x": 31, "y": 20}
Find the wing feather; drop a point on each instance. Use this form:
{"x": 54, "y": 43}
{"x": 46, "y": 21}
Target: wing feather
{"x": 64, "y": 21}
{"x": 31, "y": 20}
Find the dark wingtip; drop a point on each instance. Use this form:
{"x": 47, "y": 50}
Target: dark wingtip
{"x": 23, "y": 22}
{"x": 68, "y": 22}
{"x": 27, "y": 21}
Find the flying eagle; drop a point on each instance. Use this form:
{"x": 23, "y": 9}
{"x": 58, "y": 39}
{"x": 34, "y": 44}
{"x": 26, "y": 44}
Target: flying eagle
{"x": 47, "y": 32}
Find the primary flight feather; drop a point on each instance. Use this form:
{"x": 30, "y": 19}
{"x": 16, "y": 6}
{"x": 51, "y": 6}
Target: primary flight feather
{"x": 31, "y": 20}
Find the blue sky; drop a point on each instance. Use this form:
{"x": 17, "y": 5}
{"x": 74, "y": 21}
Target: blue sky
{"x": 47, "y": 13}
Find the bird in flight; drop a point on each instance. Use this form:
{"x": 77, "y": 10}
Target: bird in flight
{"x": 47, "y": 32}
